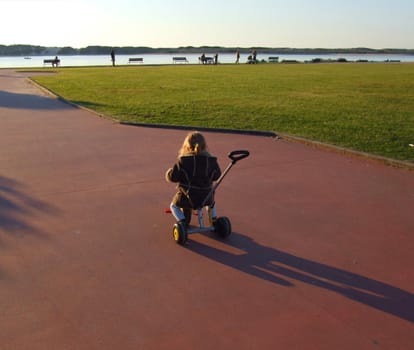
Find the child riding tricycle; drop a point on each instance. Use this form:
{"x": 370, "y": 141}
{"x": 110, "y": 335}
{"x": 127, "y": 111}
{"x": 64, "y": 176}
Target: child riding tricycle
{"x": 198, "y": 175}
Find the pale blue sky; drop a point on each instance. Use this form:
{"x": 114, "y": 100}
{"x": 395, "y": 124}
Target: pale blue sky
{"x": 243, "y": 23}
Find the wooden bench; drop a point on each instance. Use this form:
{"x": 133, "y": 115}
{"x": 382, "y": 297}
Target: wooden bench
{"x": 136, "y": 60}
{"x": 180, "y": 60}
{"x": 273, "y": 59}
{"x": 53, "y": 62}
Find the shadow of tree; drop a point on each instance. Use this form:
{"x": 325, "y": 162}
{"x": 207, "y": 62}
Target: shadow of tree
{"x": 28, "y": 101}
{"x": 16, "y": 207}
{"x": 280, "y": 268}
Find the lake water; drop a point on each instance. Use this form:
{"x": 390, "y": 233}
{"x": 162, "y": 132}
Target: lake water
{"x": 159, "y": 59}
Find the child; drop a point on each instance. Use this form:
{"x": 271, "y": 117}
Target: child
{"x": 194, "y": 171}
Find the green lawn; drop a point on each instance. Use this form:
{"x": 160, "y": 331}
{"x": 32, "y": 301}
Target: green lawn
{"x": 366, "y": 107}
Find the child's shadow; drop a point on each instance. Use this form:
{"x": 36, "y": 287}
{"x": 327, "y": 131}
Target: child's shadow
{"x": 283, "y": 269}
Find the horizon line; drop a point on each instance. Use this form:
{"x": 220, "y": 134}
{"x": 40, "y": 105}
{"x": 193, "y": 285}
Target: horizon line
{"x": 217, "y": 46}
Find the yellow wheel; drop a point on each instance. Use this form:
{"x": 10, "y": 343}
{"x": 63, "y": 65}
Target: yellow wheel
{"x": 179, "y": 233}
{"x": 176, "y": 234}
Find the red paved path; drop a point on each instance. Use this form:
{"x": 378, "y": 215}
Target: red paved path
{"x": 321, "y": 258}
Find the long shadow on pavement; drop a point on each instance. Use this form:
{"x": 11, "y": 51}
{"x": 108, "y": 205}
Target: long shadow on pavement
{"x": 278, "y": 267}
{"x": 28, "y": 101}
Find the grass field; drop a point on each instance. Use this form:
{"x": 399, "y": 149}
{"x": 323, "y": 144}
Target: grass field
{"x": 365, "y": 107}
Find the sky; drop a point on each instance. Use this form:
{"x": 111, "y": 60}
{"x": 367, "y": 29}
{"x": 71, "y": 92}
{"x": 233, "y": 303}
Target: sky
{"x": 232, "y": 23}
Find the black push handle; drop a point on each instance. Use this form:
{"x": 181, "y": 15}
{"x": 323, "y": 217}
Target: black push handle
{"x": 235, "y": 156}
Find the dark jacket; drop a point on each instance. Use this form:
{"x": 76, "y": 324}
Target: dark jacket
{"x": 195, "y": 175}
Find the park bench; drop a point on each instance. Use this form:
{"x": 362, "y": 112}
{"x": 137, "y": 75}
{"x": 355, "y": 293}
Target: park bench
{"x": 180, "y": 60}
{"x": 273, "y": 59}
{"x": 53, "y": 62}
{"x": 136, "y": 60}
{"x": 206, "y": 60}
{"x": 290, "y": 61}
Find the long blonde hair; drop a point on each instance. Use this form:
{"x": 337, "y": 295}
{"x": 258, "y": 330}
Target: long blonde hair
{"x": 194, "y": 143}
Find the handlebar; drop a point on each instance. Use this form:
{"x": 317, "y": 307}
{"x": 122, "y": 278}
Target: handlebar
{"x": 237, "y": 155}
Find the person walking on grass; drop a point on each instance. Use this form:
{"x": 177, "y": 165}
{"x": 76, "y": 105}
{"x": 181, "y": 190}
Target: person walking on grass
{"x": 113, "y": 57}
{"x": 237, "y": 56}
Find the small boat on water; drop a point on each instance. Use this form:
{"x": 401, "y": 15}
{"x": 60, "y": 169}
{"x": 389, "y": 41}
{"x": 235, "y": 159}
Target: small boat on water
{"x": 27, "y": 58}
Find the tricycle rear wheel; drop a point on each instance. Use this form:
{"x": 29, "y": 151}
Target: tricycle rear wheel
{"x": 180, "y": 233}
{"x": 222, "y": 226}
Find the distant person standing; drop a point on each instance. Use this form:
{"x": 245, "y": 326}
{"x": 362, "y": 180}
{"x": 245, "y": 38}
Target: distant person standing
{"x": 254, "y": 54}
{"x": 237, "y": 56}
{"x": 113, "y": 57}
{"x": 216, "y": 58}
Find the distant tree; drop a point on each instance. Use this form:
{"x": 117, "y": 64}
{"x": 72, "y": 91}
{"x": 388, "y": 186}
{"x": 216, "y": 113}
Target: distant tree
{"x": 68, "y": 51}
{"x": 21, "y": 50}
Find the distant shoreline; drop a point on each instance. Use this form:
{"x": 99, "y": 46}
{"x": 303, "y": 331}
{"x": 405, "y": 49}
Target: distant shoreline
{"x": 33, "y": 50}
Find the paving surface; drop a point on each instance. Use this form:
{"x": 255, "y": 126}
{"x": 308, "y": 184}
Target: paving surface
{"x": 321, "y": 256}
